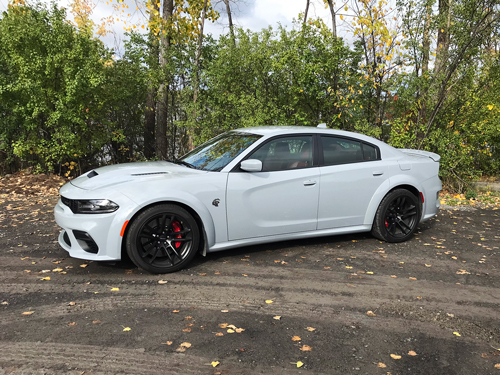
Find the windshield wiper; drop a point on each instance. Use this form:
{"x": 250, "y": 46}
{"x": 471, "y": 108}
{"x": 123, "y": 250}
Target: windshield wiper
{"x": 185, "y": 163}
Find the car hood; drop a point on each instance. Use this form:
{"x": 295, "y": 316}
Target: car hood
{"x": 119, "y": 173}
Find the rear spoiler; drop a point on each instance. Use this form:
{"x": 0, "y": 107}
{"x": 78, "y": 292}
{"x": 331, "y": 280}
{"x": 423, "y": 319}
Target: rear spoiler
{"x": 427, "y": 154}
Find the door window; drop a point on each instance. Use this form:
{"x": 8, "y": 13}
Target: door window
{"x": 285, "y": 153}
{"x": 338, "y": 150}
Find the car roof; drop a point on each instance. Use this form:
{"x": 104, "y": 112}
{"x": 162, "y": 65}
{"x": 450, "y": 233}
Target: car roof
{"x": 281, "y": 130}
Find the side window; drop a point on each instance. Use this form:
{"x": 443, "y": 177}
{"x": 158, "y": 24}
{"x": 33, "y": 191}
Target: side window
{"x": 343, "y": 151}
{"x": 285, "y": 153}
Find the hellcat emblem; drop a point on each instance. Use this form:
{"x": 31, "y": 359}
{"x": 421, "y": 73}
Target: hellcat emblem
{"x": 216, "y": 202}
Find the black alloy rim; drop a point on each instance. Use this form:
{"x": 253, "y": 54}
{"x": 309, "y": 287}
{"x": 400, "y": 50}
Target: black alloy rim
{"x": 401, "y": 217}
{"x": 164, "y": 240}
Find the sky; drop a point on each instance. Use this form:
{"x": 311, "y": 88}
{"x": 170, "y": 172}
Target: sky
{"x": 249, "y": 14}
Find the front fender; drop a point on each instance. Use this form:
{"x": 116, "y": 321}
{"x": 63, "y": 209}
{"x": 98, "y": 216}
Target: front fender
{"x": 182, "y": 197}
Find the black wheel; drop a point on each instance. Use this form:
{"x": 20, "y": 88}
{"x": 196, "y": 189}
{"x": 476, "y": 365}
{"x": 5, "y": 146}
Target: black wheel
{"x": 163, "y": 239}
{"x": 397, "y": 216}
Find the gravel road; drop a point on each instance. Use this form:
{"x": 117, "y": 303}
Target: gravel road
{"x": 334, "y": 305}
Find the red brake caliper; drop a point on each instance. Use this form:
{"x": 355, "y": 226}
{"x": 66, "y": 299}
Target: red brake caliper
{"x": 177, "y": 228}
{"x": 386, "y": 224}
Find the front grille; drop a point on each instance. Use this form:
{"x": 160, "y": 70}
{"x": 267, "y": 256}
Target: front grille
{"x": 73, "y": 205}
{"x": 86, "y": 242}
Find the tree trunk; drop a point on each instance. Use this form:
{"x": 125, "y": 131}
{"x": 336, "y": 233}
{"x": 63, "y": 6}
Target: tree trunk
{"x": 334, "y": 21}
{"x": 230, "y": 20}
{"x": 426, "y": 43}
{"x": 150, "y": 112}
{"x": 443, "y": 39}
{"x": 198, "y": 53}
{"x": 162, "y": 123}
{"x": 307, "y": 10}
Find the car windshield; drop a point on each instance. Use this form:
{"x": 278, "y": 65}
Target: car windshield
{"x": 220, "y": 151}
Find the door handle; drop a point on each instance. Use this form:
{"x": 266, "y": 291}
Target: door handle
{"x": 309, "y": 183}
{"x": 378, "y": 173}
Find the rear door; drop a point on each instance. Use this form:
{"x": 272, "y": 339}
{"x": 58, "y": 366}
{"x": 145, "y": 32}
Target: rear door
{"x": 351, "y": 173}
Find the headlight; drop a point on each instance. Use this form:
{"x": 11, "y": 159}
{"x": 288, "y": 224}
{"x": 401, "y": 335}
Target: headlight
{"x": 90, "y": 206}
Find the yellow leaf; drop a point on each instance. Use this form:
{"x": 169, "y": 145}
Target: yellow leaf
{"x": 296, "y": 338}
{"x": 223, "y": 325}
{"x": 269, "y": 301}
{"x": 186, "y": 345}
{"x": 348, "y": 267}
{"x": 300, "y": 364}
{"x": 277, "y": 317}
{"x": 83, "y": 265}
{"x": 370, "y": 313}
{"x": 395, "y": 356}
{"x": 369, "y": 272}
{"x": 72, "y": 324}
{"x": 27, "y": 313}
{"x": 45, "y": 278}
{"x": 412, "y": 353}
{"x": 57, "y": 270}
{"x": 311, "y": 329}
{"x": 126, "y": 329}
{"x": 215, "y": 363}
{"x": 230, "y": 330}
{"x": 381, "y": 365}
{"x": 490, "y": 107}
{"x": 115, "y": 289}
{"x": 342, "y": 17}
{"x": 306, "y": 348}
{"x": 239, "y": 330}
{"x": 457, "y": 334}
{"x": 162, "y": 281}
{"x": 497, "y": 366}
{"x": 72, "y": 303}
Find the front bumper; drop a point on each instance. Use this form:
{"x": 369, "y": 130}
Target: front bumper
{"x": 92, "y": 236}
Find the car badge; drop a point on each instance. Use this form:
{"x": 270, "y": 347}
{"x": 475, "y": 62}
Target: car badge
{"x": 216, "y": 202}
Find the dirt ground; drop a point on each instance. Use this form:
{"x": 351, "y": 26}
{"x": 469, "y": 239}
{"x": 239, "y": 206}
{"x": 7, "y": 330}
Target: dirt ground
{"x": 335, "y": 305}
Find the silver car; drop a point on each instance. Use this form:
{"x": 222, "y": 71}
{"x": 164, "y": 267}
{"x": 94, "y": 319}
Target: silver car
{"x": 244, "y": 187}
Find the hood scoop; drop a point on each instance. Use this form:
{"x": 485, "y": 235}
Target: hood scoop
{"x": 148, "y": 173}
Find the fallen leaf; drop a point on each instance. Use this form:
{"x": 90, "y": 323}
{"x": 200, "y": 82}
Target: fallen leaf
{"x": 393, "y": 276}
{"x": 412, "y": 278}
{"x": 45, "y": 278}
{"x": 230, "y": 330}
{"x": 186, "y": 345}
{"x": 215, "y": 363}
{"x": 126, "y": 329}
{"x": 457, "y": 334}
{"x": 300, "y": 364}
{"x": 162, "y": 281}
{"x": 269, "y": 301}
{"x": 72, "y": 303}
{"x": 244, "y": 274}
{"x": 310, "y": 329}
{"x": 369, "y": 272}
{"x": 96, "y": 321}
{"x": 395, "y": 356}
{"x": 348, "y": 267}
{"x": 239, "y": 330}
{"x": 370, "y": 313}
{"x": 223, "y": 325}
{"x": 381, "y": 365}
{"x": 57, "y": 270}
{"x": 219, "y": 334}
{"x": 4, "y": 303}
{"x": 497, "y": 366}
{"x": 277, "y": 317}
{"x": 72, "y": 324}
{"x": 296, "y": 338}
{"x": 27, "y": 313}
{"x": 169, "y": 342}
{"x": 83, "y": 265}
{"x": 186, "y": 330}
{"x": 412, "y": 353}
{"x": 224, "y": 311}
{"x": 115, "y": 289}
{"x": 306, "y": 348}
{"x": 428, "y": 265}
{"x": 175, "y": 311}
{"x": 188, "y": 317}
{"x": 203, "y": 274}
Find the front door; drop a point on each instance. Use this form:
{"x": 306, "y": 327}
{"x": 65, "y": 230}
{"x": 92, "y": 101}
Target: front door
{"x": 281, "y": 199}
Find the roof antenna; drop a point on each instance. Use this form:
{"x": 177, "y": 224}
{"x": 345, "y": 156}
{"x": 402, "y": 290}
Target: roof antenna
{"x": 322, "y": 126}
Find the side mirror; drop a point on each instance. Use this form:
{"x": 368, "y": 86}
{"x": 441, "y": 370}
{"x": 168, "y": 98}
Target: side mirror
{"x": 251, "y": 165}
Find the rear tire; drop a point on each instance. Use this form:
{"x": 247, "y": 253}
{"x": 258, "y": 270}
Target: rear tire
{"x": 397, "y": 216}
{"x": 163, "y": 239}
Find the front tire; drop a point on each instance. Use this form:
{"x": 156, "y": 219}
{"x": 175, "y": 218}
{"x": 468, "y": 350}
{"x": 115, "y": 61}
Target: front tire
{"x": 163, "y": 239}
{"x": 397, "y": 216}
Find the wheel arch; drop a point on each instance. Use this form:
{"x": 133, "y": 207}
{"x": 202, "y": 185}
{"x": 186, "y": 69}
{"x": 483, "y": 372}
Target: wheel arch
{"x": 382, "y": 192}
{"x": 202, "y": 224}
